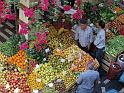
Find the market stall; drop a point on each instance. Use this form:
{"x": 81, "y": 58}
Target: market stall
{"x": 62, "y": 65}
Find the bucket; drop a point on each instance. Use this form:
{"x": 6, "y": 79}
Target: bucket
{"x": 120, "y": 61}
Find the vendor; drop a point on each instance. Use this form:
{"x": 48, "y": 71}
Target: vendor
{"x": 87, "y": 81}
{"x": 84, "y": 35}
{"x": 100, "y": 40}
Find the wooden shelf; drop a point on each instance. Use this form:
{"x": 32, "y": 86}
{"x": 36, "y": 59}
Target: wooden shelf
{"x": 105, "y": 65}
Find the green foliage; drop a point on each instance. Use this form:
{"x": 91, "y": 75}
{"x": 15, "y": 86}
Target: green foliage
{"x": 115, "y": 45}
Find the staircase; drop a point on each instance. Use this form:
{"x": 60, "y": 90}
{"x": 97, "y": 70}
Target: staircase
{"x": 7, "y": 29}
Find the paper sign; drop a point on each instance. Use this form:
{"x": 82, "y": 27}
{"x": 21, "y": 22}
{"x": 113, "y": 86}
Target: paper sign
{"x": 44, "y": 59}
{"x": 47, "y": 50}
{"x": 50, "y": 84}
{"x": 103, "y": 90}
{"x": 35, "y": 91}
{"x": 17, "y": 90}
{"x": 106, "y": 81}
{"x": 64, "y": 72}
{"x": 62, "y": 60}
{"x": 7, "y": 86}
{"x": 38, "y": 80}
{"x": 59, "y": 80}
{"x": 37, "y": 66}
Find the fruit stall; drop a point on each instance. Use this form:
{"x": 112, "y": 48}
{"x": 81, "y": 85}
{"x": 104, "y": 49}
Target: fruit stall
{"x": 54, "y": 66}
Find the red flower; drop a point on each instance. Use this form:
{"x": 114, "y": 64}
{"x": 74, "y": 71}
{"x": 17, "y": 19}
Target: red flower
{"x": 23, "y": 46}
{"x": 78, "y": 14}
{"x": 29, "y": 12}
{"x": 67, "y": 7}
{"x": 24, "y": 29}
{"x": 11, "y": 16}
{"x": 41, "y": 38}
{"x": 44, "y": 7}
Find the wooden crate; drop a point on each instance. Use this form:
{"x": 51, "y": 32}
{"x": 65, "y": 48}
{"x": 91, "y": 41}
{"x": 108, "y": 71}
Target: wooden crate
{"x": 109, "y": 58}
{"x": 105, "y": 65}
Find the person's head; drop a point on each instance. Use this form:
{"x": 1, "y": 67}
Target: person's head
{"x": 100, "y": 24}
{"x": 83, "y": 24}
{"x": 90, "y": 66}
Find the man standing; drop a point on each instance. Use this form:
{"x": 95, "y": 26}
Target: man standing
{"x": 100, "y": 40}
{"x": 87, "y": 80}
{"x": 84, "y": 35}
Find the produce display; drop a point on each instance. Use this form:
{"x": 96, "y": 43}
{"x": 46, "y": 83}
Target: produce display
{"x": 35, "y": 81}
{"x": 81, "y": 64}
{"x": 115, "y": 24}
{"x": 115, "y": 46}
{"x": 109, "y": 35}
{"x": 19, "y": 59}
{"x": 17, "y": 80}
{"x": 3, "y": 57}
{"x": 47, "y": 73}
{"x": 121, "y": 18}
{"x": 68, "y": 77}
{"x": 50, "y": 90}
{"x": 2, "y": 75}
{"x": 57, "y": 40}
{"x": 59, "y": 63}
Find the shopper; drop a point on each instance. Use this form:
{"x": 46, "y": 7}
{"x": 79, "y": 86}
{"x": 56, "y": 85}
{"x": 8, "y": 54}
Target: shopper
{"x": 100, "y": 41}
{"x": 84, "y": 35}
{"x": 87, "y": 81}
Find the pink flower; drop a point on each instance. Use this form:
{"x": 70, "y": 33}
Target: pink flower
{"x": 46, "y": 2}
{"x": 53, "y": 2}
{"x": 11, "y": 16}
{"x": 78, "y": 14}
{"x": 41, "y": 38}
{"x": 24, "y": 29}
{"x": 29, "y": 12}
{"x": 44, "y": 7}
{"x": 24, "y": 25}
{"x": 38, "y": 47}
{"x": 23, "y": 46}
{"x": 67, "y": 8}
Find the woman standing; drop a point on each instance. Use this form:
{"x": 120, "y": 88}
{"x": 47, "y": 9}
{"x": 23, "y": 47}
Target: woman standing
{"x": 100, "y": 40}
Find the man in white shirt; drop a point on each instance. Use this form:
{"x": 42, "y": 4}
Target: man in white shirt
{"x": 84, "y": 35}
{"x": 100, "y": 41}
{"x": 87, "y": 80}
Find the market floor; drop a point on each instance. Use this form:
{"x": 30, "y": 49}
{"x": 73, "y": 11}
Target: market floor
{"x": 106, "y": 86}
